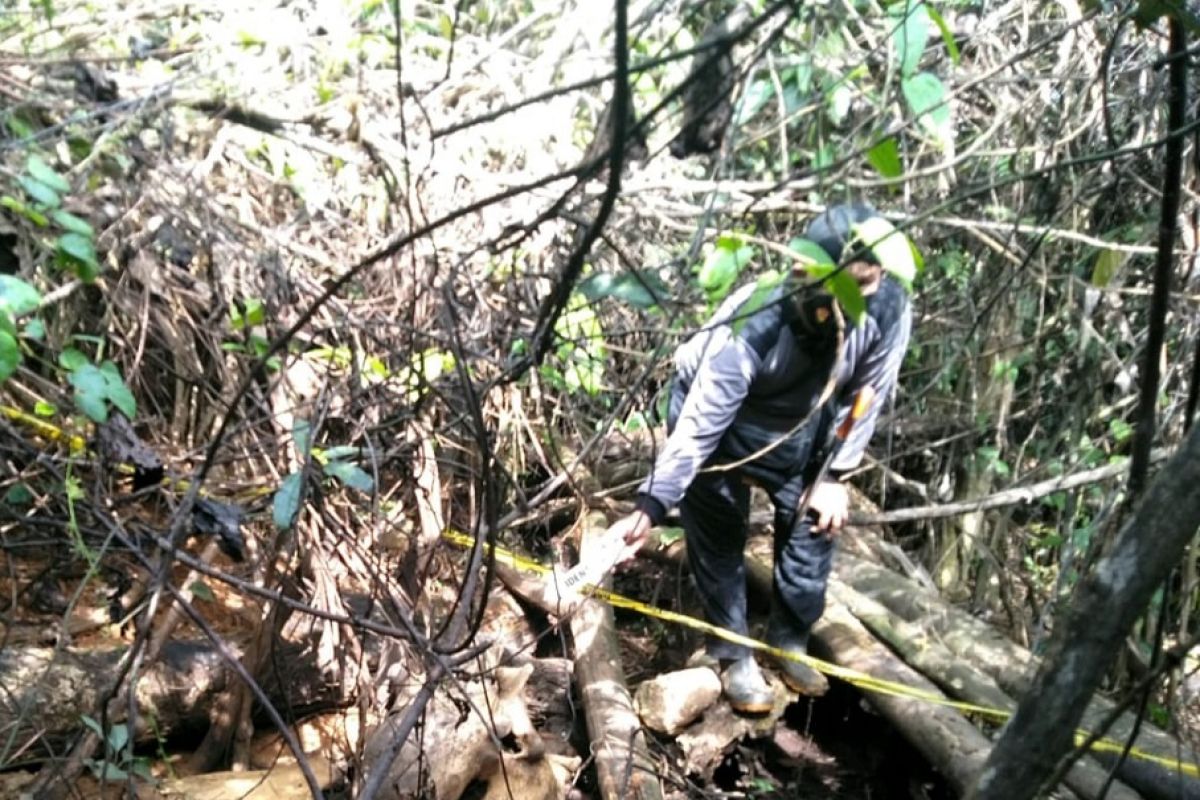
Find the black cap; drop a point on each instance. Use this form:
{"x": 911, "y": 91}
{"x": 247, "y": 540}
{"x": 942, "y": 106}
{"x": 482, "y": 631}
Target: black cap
{"x": 833, "y": 227}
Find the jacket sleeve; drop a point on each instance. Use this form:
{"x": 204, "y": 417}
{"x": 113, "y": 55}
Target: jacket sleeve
{"x": 878, "y": 368}
{"x": 714, "y": 397}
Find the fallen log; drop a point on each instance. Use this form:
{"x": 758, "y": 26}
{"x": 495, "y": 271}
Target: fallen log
{"x": 983, "y": 648}
{"x": 953, "y": 745}
{"x": 624, "y": 768}
{"x": 46, "y": 692}
{"x": 962, "y": 681}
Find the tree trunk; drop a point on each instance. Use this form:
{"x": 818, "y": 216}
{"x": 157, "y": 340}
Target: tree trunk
{"x": 47, "y": 692}
{"x": 1105, "y": 606}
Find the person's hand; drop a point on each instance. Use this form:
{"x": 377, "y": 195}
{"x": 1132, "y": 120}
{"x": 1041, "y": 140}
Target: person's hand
{"x": 830, "y": 504}
{"x": 633, "y": 529}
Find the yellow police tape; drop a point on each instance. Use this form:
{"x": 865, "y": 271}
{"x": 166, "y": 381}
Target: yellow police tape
{"x": 854, "y": 677}
{"x": 77, "y": 444}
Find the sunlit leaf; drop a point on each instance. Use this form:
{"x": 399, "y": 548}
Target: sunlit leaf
{"x": 80, "y": 254}
{"x": 45, "y": 174}
{"x": 91, "y": 392}
{"x": 910, "y": 35}
{"x": 40, "y": 192}
{"x": 18, "y": 297}
{"x": 891, "y": 248}
{"x": 947, "y": 34}
{"x": 73, "y": 224}
{"x": 810, "y": 252}
{"x": 763, "y": 287}
{"x": 639, "y": 289}
{"x": 350, "y": 474}
{"x": 10, "y": 355}
{"x": 723, "y": 265}
{"x": 1108, "y": 261}
{"x": 17, "y": 207}
{"x": 926, "y": 97}
{"x": 849, "y": 296}
{"x": 286, "y": 503}
{"x": 118, "y": 392}
{"x": 756, "y": 96}
{"x": 256, "y": 312}
{"x": 71, "y": 359}
{"x": 885, "y": 158}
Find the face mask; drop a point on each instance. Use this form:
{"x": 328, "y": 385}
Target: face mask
{"x": 815, "y": 319}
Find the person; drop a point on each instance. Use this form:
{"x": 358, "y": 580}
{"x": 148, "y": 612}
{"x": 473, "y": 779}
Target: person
{"x": 754, "y": 396}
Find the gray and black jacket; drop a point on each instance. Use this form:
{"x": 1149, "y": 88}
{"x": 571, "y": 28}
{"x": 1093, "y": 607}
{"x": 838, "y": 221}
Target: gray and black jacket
{"x": 757, "y": 373}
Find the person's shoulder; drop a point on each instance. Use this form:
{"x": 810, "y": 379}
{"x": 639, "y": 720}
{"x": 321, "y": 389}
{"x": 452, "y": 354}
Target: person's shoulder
{"x": 758, "y": 317}
{"x": 889, "y": 306}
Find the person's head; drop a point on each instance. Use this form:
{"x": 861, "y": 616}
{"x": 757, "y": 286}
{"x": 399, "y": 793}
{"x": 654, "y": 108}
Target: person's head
{"x": 833, "y": 230}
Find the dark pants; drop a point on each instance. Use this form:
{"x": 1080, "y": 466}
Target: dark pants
{"x": 715, "y": 511}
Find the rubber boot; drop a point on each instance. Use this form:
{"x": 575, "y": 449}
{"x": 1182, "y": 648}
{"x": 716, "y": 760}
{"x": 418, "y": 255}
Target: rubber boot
{"x": 745, "y": 688}
{"x": 801, "y": 678}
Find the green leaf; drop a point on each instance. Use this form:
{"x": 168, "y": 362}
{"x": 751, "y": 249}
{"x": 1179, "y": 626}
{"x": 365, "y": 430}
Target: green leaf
{"x": 926, "y": 96}
{"x": 947, "y": 34}
{"x": 10, "y": 355}
{"x": 811, "y": 253}
{"x": 16, "y": 206}
{"x": 7, "y": 325}
{"x": 200, "y": 590}
{"x": 43, "y": 409}
{"x": 119, "y": 394}
{"x": 286, "y": 503}
{"x": 45, "y": 174}
{"x": 636, "y": 288}
{"x": 723, "y": 265}
{"x": 302, "y": 436}
{"x": 885, "y": 158}
{"x": 669, "y": 536}
{"x": 1107, "y": 263}
{"x": 94, "y": 726}
{"x": 18, "y": 495}
{"x": 843, "y": 287}
{"x": 108, "y": 771}
{"x": 17, "y": 297}
{"x": 34, "y": 329}
{"x": 910, "y": 35}
{"x": 756, "y": 96}
{"x": 350, "y": 474}
{"x": 91, "y": 392}
{"x": 342, "y": 451}
{"x": 256, "y": 313}
{"x": 1150, "y": 11}
{"x": 118, "y": 737}
{"x": 40, "y": 192}
{"x": 71, "y": 359}
{"x": 763, "y": 287}
{"x": 78, "y": 252}
{"x": 73, "y": 224}
{"x": 891, "y": 248}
